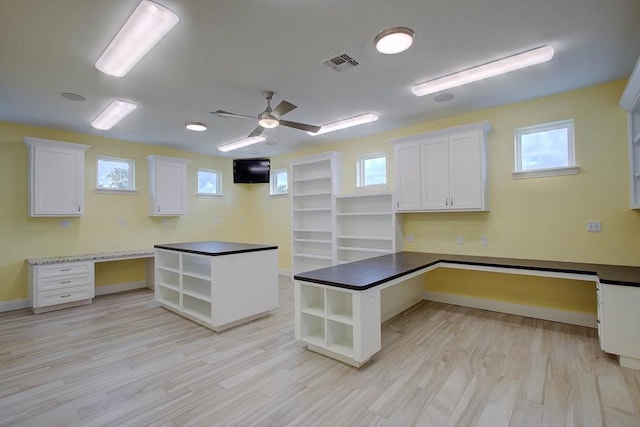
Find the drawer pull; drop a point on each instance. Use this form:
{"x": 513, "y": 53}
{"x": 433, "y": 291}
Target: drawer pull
{"x": 65, "y": 269}
{"x": 65, "y": 282}
{"x": 65, "y": 296}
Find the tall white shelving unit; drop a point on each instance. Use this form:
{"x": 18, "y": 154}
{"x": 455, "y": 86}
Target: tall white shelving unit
{"x": 366, "y": 226}
{"x": 315, "y": 180}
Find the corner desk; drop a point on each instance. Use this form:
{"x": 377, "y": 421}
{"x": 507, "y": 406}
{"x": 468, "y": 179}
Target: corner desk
{"x": 337, "y": 309}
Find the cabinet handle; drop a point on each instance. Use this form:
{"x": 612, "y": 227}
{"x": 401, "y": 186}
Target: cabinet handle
{"x": 452, "y": 201}
{"x": 446, "y": 201}
{"x": 158, "y": 208}
{"x": 65, "y": 282}
{"x": 78, "y": 208}
{"x": 65, "y": 269}
{"x": 398, "y": 204}
{"x": 65, "y": 296}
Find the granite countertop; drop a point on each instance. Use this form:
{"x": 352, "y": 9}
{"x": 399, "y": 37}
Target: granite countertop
{"x": 365, "y": 274}
{"x": 215, "y": 248}
{"x": 102, "y": 256}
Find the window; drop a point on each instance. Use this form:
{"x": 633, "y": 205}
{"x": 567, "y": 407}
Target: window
{"x": 279, "y": 182}
{"x": 371, "y": 170}
{"x": 545, "y": 150}
{"x": 209, "y": 182}
{"x": 113, "y": 174}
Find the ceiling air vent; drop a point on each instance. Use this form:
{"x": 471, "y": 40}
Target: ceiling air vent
{"x": 341, "y": 62}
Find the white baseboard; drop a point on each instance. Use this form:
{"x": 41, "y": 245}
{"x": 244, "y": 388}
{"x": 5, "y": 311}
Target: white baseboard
{"x": 120, "y": 287}
{"x": 570, "y": 317}
{"x": 15, "y": 304}
{"x": 284, "y": 272}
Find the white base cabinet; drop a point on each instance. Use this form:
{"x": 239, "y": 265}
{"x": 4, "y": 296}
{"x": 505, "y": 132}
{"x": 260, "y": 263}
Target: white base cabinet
{"x": 220, "y": 291}
{"x": 339, "y": 323}
{"x": 619, "y": 321}
{"x": 61, "y": 285}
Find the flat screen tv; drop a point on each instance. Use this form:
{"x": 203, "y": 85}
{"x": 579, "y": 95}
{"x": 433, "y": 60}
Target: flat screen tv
{"x": 251, "y": 171}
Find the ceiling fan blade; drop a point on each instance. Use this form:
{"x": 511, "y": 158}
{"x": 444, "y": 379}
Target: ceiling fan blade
{"x": 222, "y": 113}
{"x": 301, "y": 126}
{"x": 283, "y": 108}
{"x": 256, "y": 132}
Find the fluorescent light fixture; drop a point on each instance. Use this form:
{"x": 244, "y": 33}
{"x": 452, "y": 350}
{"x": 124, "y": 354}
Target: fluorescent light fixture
{"x": 346, "y": 123}
{"x": 495, "y": 68}
{"x": 394, "y": 40}
{"x": 148, "y": 24}
{"x": 196, "y": 126}
{"x": 244, "y": 142}
{"x": 116, "y": 111}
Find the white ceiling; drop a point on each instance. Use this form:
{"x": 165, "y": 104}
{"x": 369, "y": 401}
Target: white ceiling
{"x": 224, "y": 53}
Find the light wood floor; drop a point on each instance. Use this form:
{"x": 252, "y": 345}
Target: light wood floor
{"x": 126, "y": 361}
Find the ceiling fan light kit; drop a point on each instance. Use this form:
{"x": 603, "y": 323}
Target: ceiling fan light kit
{"x": 244, "y": 142}
{"x": 146, "y": 26}
{"x": 346, "y": 123}
{"x": 196, "y": 126}
{"x": 116, "y": 111}
{"x": 481, "y": 72}
{"x": 394, "y": 40}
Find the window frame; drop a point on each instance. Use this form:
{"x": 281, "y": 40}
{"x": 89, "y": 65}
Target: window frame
{"x": 272, "y": 182}
{"x": 132, "y": 176}
{"x": 218, "y": 173}
{"x": 570, "y": 169}
{"x": 360, "y": 177}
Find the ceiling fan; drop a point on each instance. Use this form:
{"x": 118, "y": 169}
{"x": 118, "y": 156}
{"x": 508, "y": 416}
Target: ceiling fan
{"x": 270, "y": 118}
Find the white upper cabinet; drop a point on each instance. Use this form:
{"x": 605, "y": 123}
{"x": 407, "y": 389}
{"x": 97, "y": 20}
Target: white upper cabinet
{"x": 56, "y": 177}
{"x": 630, "y": 101}
{"x": 167, "y": 186}
{"x": 444, "y": 170}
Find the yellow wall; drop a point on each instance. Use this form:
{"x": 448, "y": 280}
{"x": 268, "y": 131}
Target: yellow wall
{"x": 541, "y": 218}
{"x": 97, "y": 230}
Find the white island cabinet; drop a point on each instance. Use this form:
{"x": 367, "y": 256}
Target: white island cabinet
{"x": 217, "y": 284}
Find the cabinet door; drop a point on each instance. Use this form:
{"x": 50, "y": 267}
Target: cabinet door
{"x": 466, "y": 171}
{"x": 57, "y": 182}
{"x": 620, "y": 317}
{"x": 407, "y": 179}
{"x": 435, "y": 173}
{"x": 171, "y": 188}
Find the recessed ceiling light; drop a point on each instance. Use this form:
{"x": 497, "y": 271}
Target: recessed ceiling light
{"x": 394, "y": 40}
{"x": 495, "y": 68}
{"x": 73, "y": 96}
{"x": 196, "y": 126}
{"x": 146, "y": 26}
{"x": 116, "y": 111}
{"x": 346, "y": 123}
{"x": 443, "y": 97}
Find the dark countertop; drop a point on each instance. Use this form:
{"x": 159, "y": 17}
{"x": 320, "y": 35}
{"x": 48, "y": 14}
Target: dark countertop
{"x": 365, "y": 274}
{"x": 214, "y": 248}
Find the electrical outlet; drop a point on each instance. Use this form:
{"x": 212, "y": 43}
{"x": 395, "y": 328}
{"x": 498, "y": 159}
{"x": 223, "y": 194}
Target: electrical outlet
{"x": 64, "y": 223}
{"x": 410, "y": 238}
{"x": 122, "y": 222}
{"x": 485, "y": 241}
{"x": 460, "y": 239}
{"x": 165, "y": 220}
{"x": 594, "y": 226}
{"x": 216, "y": 220}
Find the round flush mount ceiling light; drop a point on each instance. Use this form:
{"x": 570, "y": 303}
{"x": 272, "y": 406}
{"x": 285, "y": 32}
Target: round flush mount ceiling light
{"x": 73, "y": 96}
{"x": 196, "y": 126}
{"x": 394, "y": 40}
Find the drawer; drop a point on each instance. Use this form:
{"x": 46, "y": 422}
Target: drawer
{"x": 64, "y": 282}
{"x": 63, "y": 269}
{"x": 60, "y": 296}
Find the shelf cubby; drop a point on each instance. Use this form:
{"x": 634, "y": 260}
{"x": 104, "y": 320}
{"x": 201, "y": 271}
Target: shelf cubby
{"x": 312, "y": 299}
{"x": 169, "y": 278}
{"x": 197, "y": 265}
{"x": 339, "y": 306}
{"x": 196, "y": 307}
{"x": 196, "y": 287}
{"x": 340, "y": 338}
{"x": 170, "y": 261}
{"x": 167, "y": 295}
{"x": 313, "y": 329}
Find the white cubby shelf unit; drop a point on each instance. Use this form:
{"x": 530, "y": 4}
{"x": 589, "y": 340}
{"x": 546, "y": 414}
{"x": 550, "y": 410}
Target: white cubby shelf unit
{"x": 366, "y": 226}
{"x": 330, "y": 321}
{"x": 314, "y": 183}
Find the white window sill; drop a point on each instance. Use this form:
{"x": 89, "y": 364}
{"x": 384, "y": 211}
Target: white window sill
{"x": 538, "y": 173}
{"x": 372, "y": 187}
{"x": 280, "y": 195}
{"x": 115, "y": 191}
{"x": 209, "y": 195}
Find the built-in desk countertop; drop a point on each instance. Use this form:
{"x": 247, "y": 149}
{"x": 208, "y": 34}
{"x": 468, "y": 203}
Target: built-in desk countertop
{"x": 365, "y": 274}
{"x": 337, "y": 309}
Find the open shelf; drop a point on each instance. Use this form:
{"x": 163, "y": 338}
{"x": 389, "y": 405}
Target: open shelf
{"x": 168, "y": 296}
{"x": 197, "y": 287}
{"x": 312, "y": 256}
{"x": 313, "y": 329}
{"x": 312, "y": 297}
{"x": 196, "y": 307}
{"x": 356, "y": 249}
{"x": 312, "y": 241}
{"x": 167, "y": 260}
{"x": 169, "y": 278}
{"x": 364, "y": 213}
{"x": 340, "y": 338}
{"x": 339, "y": 306}
{"x": 198, "y": 266}
{"x": 315, "y": 178}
